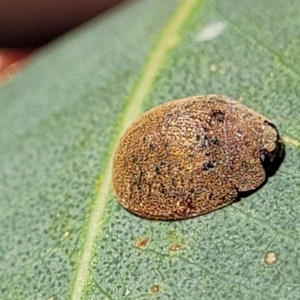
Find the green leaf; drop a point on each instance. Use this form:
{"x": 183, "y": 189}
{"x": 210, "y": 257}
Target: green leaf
{"x": 62, "y": 233}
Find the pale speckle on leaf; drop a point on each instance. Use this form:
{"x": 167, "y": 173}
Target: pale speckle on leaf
{"x": 175, "y": 247}
{"x": 141, "y": 242}
{"x": 213, "y": 68}
{"x": 155, "y": 289}
{"x": 270, "y": 258}
{"x": 211, "y": 31}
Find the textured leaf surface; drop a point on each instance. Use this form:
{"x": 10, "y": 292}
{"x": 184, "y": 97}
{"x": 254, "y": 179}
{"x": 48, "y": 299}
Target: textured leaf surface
{"x": 64, "y": 236}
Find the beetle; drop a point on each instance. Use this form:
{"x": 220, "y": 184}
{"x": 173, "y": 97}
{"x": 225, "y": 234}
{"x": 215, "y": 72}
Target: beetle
{"x": 188, "y": 157}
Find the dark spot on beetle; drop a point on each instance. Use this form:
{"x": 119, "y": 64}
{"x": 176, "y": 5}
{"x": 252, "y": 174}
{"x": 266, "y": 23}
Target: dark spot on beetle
{"x": 203, "y": 142}
{"x": 212, "y": 140}
{"x": 210, "y": 196}
{"x": 218, "y": 116}
{"x": 173, "y": 183}
{"x": 202, "y": 145}
{"x": 133, "y": 158}
{"x": 207, "y": 165}
{"x": 157, "y": 170}
{"x": 163, "y": 188}
{"x": 247, "y": 143}
{"x": 246, "y": 166}
{"x": 151, "y": 146}
{"x": 198, "y": 137}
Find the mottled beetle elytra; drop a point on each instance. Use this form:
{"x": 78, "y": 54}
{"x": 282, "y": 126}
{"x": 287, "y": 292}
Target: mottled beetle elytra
{"x": 191, "y": 156}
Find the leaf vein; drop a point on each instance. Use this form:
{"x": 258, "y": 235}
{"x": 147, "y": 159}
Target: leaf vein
{"x": 167, "y": 40}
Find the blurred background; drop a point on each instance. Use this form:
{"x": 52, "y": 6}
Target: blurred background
{"x": 26, "y": 26}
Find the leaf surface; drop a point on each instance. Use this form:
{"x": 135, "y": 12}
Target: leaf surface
{"x": 62, "y": 233}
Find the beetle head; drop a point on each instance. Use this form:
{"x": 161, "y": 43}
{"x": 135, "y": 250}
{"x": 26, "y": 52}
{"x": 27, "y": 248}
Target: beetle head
{"x": 272, "y": 148}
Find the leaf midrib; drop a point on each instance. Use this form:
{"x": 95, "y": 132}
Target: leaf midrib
{"x": 167, "y": 40}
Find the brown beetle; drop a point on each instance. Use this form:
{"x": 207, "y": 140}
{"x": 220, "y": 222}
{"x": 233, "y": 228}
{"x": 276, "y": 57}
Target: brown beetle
{"x": 191, "y": 156}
